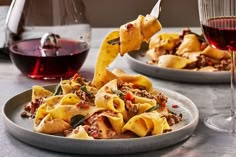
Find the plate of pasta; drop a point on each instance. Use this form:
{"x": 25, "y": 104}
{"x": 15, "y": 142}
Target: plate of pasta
{"x": 114, "y": 113}
{"x": 182, "y": 57}
{"x": 122, "y": 116}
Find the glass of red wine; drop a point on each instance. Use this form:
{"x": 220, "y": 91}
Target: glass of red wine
{"x": 218, "y": 23}
{"x": 48, "y": 39}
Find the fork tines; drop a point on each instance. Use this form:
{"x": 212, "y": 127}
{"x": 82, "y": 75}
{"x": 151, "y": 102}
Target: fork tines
{"x": 114, "y": 41}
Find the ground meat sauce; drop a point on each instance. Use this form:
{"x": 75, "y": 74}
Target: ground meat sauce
{"x": 142, "y": 92}
{"x": 173, "y": 118}
{"x": 203, "y": 61}
{"x": 92, "y": 127}
{"x": 30, "y": 109}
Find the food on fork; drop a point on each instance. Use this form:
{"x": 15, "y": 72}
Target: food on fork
{"x": 128, "y": 38}
{"x": 132, "y": 34}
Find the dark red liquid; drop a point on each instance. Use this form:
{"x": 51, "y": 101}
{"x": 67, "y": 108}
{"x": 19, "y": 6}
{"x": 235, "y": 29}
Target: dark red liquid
{"x": 221, "y": 33}
{"x": 61, "y": 62}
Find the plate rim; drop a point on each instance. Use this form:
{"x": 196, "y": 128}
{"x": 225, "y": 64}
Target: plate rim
{"x": 190, "y": 126}
{"x": 213, "y": 77}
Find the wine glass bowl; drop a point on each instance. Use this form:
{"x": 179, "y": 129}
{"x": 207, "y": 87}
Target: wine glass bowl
{"x": 220, "y": 32}
{"x": 38, "y": 63}
{"x": 218, "y": 23}
{"x": 48, "y": 39}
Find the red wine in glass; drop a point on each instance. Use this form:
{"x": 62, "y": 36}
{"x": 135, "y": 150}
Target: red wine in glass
{"x": 59, "y": 62}
{"x": 221, "y": 33}
{"x": 29, "y": 22}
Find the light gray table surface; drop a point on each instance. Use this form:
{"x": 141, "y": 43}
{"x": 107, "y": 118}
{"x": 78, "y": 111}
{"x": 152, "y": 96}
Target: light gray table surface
{"x": 209, "y": 98}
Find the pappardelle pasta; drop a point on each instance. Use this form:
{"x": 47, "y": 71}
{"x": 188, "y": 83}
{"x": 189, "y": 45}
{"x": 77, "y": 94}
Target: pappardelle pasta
{"x": 122, "y": 108}
{"x": 187, "y": 51}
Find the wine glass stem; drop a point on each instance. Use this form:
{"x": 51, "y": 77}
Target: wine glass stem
{"x": 232, "y": 109}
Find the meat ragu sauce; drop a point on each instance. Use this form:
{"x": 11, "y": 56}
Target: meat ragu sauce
{"x": 30, "y": 109}
{"x": 93, "y": 129}
{"x": 95, "y": 123}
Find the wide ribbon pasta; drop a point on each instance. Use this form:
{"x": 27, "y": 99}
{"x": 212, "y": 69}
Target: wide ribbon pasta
{"x": 58, "y": 119}
{"x": 107, "y": 55}
{"x": 215, "y": 53}
{"x": 128, "y": 38}
{"x": 39, "y": 92}
{"x": 49, "y": 125}
{"x": 147, "y": 123}
{"x": 54, "y": 115}
{"x": 132, "y": 34}
{"x": 173, "y": 61}
{"x": 105, "y": 98}
{"x": 79, "y": 133}
{"x": 114, "y": 126}
{"x": 118, "y": 107}
{"x": 135, "y": 79}
{"x": 143, "y": 104}
{"x": 186, "y": 50}
{"x": 103, "y": 125}
{"x": 190, "y": 43}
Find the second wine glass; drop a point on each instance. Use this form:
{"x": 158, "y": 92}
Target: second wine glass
{"x": 218, "y": 23}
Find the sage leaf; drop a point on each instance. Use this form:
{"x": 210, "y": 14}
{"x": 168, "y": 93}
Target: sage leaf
{"x": 153, "y": 108}
{"x": 77, "y": 120}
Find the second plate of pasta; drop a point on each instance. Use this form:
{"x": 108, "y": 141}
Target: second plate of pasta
{"x": 23, "y": 129}
{"x": 138, "y": 62}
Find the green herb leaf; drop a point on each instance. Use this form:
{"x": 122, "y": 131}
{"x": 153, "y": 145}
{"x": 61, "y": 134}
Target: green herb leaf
{"x": 117, "y": 92}
{"x": 58, "y": 90}
{"x": 84, "y": 89}
{"x": 153, "y": 108}
{"x": 77, "y": 120}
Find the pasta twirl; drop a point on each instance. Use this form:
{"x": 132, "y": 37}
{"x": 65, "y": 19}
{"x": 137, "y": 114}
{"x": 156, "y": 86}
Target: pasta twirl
{"x": 105, "y": 98}
{"x": 147, "y": 123}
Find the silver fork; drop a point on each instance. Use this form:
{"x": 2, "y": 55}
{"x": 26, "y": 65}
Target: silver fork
{"x": 156, "y": 9}
{"x": 155, "y": 12}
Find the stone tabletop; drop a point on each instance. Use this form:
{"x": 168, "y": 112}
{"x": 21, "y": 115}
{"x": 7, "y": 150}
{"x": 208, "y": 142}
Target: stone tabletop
{"x": 209, "y": 98}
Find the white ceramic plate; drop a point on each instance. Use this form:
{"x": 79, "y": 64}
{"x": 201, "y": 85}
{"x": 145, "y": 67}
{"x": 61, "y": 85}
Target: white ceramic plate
{"x": 22, "y": 129}
{"x": 138, "y": 62}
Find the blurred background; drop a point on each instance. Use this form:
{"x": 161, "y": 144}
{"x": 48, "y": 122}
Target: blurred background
{"x": 113, "y": 13}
